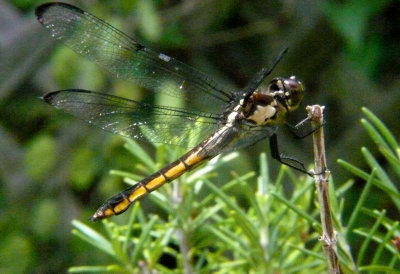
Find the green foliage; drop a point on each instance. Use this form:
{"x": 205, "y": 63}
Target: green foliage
{"x": 149, "y": 20}
{"x": 15, "y": 254}
{"x": 350, "y": 19}
{"x": 45, "y": 218}
{"x": 40, "y": 147}
{"x": 83, "y": 168}
{"x": 376, "y": 252}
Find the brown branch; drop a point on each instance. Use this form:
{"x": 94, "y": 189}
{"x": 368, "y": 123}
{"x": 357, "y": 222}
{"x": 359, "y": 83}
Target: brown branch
{"x": 321, "y": 177}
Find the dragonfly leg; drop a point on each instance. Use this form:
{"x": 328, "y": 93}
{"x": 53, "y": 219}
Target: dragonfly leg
{"x": 286, "y": 160}
{"x": 296, "y": 130}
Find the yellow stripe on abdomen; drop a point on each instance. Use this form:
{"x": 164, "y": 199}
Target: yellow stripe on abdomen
{"x": 121, "y": 206}
{"x": 148, "y": 186}
{"x": 176, "y": 171}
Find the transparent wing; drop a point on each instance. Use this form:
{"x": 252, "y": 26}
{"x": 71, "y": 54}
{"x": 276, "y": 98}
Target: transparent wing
{"x": 249, "y": 135}
{"x": 121, "y": 55}
{"x": 157, "y": 124}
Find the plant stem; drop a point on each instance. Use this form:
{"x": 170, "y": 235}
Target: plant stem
{"x": 181, "y": 233}
{"x": 321, "y": 177}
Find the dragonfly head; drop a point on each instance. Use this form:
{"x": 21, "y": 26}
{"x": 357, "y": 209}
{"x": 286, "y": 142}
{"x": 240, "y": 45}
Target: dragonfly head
{"x": 267, "y": 107}
{"x": 288, "y": 91}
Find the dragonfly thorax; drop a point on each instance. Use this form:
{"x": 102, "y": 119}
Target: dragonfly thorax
{"x": 267, "y": 107}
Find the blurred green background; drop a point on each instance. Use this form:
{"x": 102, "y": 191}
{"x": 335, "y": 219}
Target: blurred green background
{"x": 54, "y": 168}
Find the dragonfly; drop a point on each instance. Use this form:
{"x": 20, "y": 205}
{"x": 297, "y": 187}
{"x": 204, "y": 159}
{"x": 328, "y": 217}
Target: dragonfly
{"x": 225, "y": 120}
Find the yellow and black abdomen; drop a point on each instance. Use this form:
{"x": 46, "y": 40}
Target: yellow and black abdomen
{"x": 120, "y": 202}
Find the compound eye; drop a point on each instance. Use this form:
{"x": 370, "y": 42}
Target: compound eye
{"x": 292, "y": 84}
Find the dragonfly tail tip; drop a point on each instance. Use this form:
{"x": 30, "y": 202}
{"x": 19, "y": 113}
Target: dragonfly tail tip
{"x": 93, "y": 218}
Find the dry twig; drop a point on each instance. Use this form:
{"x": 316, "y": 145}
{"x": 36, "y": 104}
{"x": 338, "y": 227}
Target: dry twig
{"x": 321, "y": 177}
